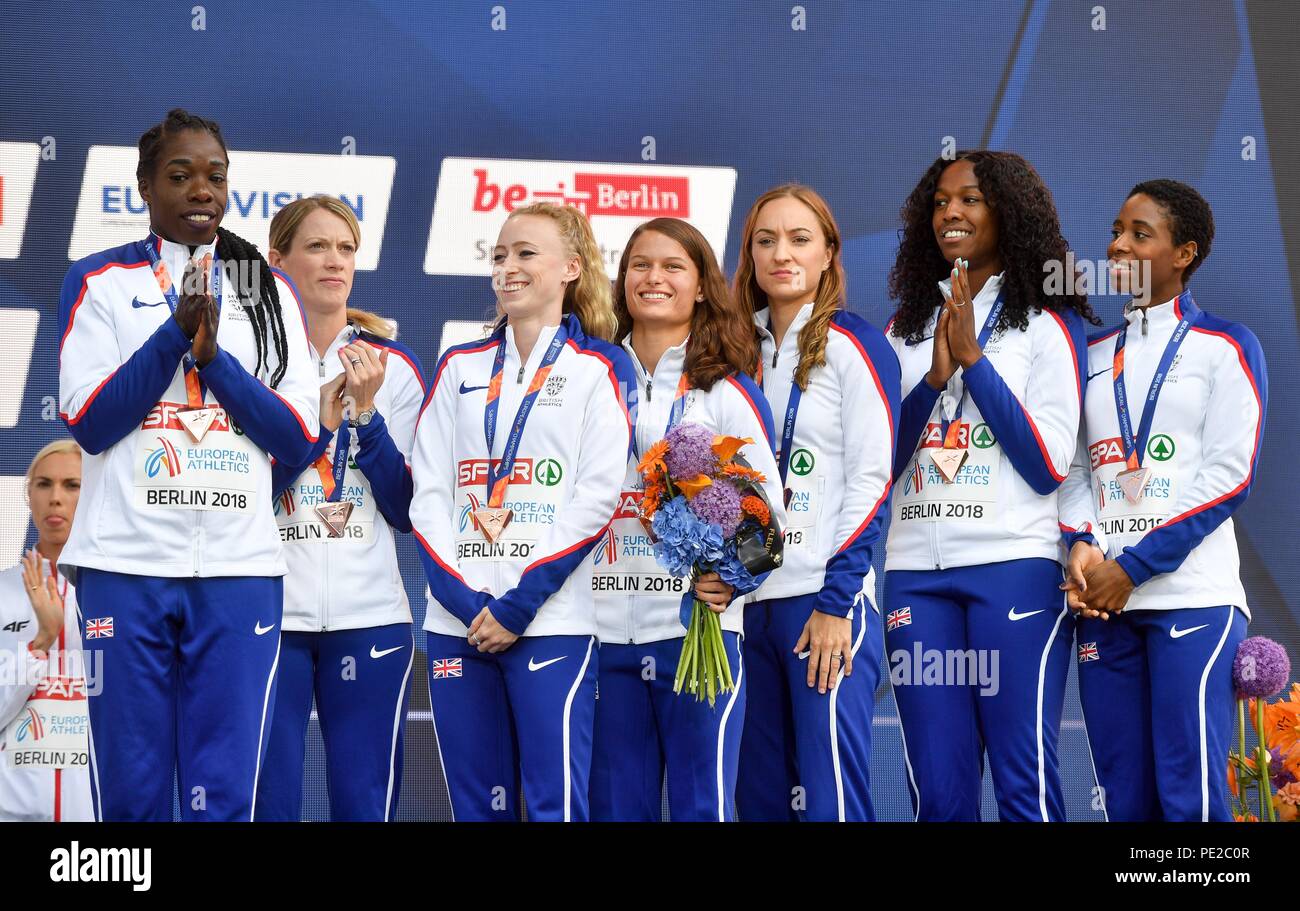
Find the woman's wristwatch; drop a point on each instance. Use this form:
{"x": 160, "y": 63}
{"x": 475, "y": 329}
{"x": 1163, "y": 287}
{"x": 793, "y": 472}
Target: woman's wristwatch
{"x": 362, "y": 419}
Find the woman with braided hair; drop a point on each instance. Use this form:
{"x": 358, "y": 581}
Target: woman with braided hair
{"x": 182, "y": 376}
{"x": 812, "y": 633}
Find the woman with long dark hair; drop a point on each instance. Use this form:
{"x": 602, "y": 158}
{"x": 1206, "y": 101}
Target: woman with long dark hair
{"x": 992, "y": 367}
{"x": 693, "y": 351}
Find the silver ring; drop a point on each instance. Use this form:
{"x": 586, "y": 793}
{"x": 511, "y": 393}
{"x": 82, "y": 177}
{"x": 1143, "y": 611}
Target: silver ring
{"x": 837, "y": 655}
{"x": 356, "y": 361}
{"x": 473, "y": 639}
{"x": 959, "y": 303}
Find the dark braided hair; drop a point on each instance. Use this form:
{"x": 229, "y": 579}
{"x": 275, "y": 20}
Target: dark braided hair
{"x": 1190, "y": 217}
{"x": 1029, "y": 236}
{"x": 260, "y": 298}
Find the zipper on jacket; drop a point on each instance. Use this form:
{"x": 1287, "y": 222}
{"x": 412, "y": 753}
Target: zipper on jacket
{"x": 520, "y": 377}
{"x": 1144, "y": 322}
{"x": 649, "y": 382}
{"x": 322, "y": 367}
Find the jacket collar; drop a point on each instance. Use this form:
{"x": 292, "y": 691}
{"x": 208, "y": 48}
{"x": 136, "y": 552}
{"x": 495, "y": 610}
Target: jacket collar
{"x": 1164, "y": 315}
{"x": 671, "y": 364}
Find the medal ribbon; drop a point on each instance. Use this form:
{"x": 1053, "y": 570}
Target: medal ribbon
{"x": 194, "y": 388}
{"x": 499, "y": 479}
{"x": 787, "y": 429}
{"x": 951, "y": 427}
{"x": 1134, "y": 448}
{"x": 331, "y": 471}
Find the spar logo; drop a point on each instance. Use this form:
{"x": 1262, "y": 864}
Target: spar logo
{"x": 983, "y": 437}
{"x": 110, "y": 210}
{"x": 629, "y": 504}
{"x": 1105, "y": 452}
{"x": 549, "y": 472}
{"x": 162, "y": 416}
{"x": 1161, "y": 447}
{"x": 164, "y": 457}
{"x": 932, "y": 438}
{"x": 32, "y": 726}
{"x": 475, "y": 195}
{"x": 470, "y": 472}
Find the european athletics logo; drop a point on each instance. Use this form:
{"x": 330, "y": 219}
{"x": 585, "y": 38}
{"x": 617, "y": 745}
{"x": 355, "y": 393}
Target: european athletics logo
{"x": 164, "y": 456}
{"x": 467, "y": 514}
{"x": 607, "y": 552}
{"x": 33, "y": 724}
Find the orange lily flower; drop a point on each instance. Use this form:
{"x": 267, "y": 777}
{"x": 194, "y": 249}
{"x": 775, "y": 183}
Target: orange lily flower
{"x": 691, "y": 488}
{"x": 725, "y": 448}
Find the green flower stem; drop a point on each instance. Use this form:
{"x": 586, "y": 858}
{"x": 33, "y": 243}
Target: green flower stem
{"x": 1261, "y": 764}
{"x": 1241, "y": 758}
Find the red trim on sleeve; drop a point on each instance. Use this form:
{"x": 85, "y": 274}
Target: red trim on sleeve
{"x": 1250, "y": 473}
{"x": 436, "y": 559}
{"x": 82, "y": 413}
{"x": 1074, "y": 355}
{"x": 301, "y": 423}
{"x": 757, "y": 417}
{"x": 564, "y": 553}
{"x": 72, "y": 314}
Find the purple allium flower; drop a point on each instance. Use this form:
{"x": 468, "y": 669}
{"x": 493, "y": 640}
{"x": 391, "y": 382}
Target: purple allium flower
{"x": 719, "y": 504}
{"x": 1261, "y": 668}
{"x": 690, "y": 451}
{"x": 1277, "y": 767}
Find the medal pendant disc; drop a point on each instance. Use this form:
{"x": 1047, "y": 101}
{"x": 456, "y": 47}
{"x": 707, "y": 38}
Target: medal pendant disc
{"x": 335, "y": 516}
{"x": 949, "y": 462}
{"x": 1132, "y": 482}
{"x": 492, "y": 522}
{"x": 196, "y": 421}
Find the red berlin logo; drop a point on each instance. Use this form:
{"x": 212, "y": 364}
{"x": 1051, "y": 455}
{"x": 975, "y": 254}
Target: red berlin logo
{"x": 632, "y": 195}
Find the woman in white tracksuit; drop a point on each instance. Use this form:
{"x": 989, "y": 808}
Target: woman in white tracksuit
{"x": 1168, "y": 452}
{"x": 520, "y": 454}
{"x": 347, "y": 624}
{"x": 693, "y": 351}
{"x": 43, "y": 748}
{"x": 812, "y": 630}
{"x": 977, "y": 633}
{"x": 184, "y": 370}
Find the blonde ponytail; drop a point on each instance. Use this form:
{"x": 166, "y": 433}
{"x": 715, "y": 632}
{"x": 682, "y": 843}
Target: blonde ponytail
{"x": 590, "y": 297}
{"x": 372, "y": 323}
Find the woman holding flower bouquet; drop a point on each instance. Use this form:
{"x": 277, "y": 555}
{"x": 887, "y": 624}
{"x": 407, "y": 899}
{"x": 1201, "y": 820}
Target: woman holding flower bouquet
{"x": 520, "y": 453}
{"x": 812, "y": 635}
{"x": 692, "y": 350}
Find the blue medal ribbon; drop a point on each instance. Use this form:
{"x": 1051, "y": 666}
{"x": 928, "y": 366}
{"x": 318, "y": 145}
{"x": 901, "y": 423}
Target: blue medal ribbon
{"x": 1135, "y": 448}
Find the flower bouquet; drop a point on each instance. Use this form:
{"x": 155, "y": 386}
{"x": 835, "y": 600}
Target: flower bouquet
{"x": 706, "y": 511}
{"x": 1272, "y": 770}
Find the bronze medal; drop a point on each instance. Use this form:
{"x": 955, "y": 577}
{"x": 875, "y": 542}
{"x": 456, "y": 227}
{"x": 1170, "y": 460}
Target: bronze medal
{"x": 1132, "y": 482}
{"x": 492, "y": 521}
{"x": 949, "y": 462}
{"x": 335, "y": 516}
{"x": 196, "y": 421}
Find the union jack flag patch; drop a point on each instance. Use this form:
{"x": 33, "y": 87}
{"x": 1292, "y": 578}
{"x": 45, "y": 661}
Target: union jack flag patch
{"x": 99, "y": 629}
{"x": 895, "y": 619}
{"x": 445, "y": 667}
{"x": 1088, "y": 652}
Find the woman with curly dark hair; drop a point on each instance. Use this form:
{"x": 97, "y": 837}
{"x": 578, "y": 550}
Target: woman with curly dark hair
{"x": 693, "y": 350}
{"x": 991, "y": 370}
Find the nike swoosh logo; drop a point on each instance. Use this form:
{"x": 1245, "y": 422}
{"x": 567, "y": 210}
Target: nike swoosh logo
{"x": 263, "y": 630}
{"x": 137, "y": 303}
{"x": 1176, "y": 633}
{"x": 1099, "y": 373}
{"x": 803, "y": 656}
{"x": 534, "y": 666}
{"x": 387, "y": 651}
{"x": 1012, "y": 615}
{"x": 464, "y": 389}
